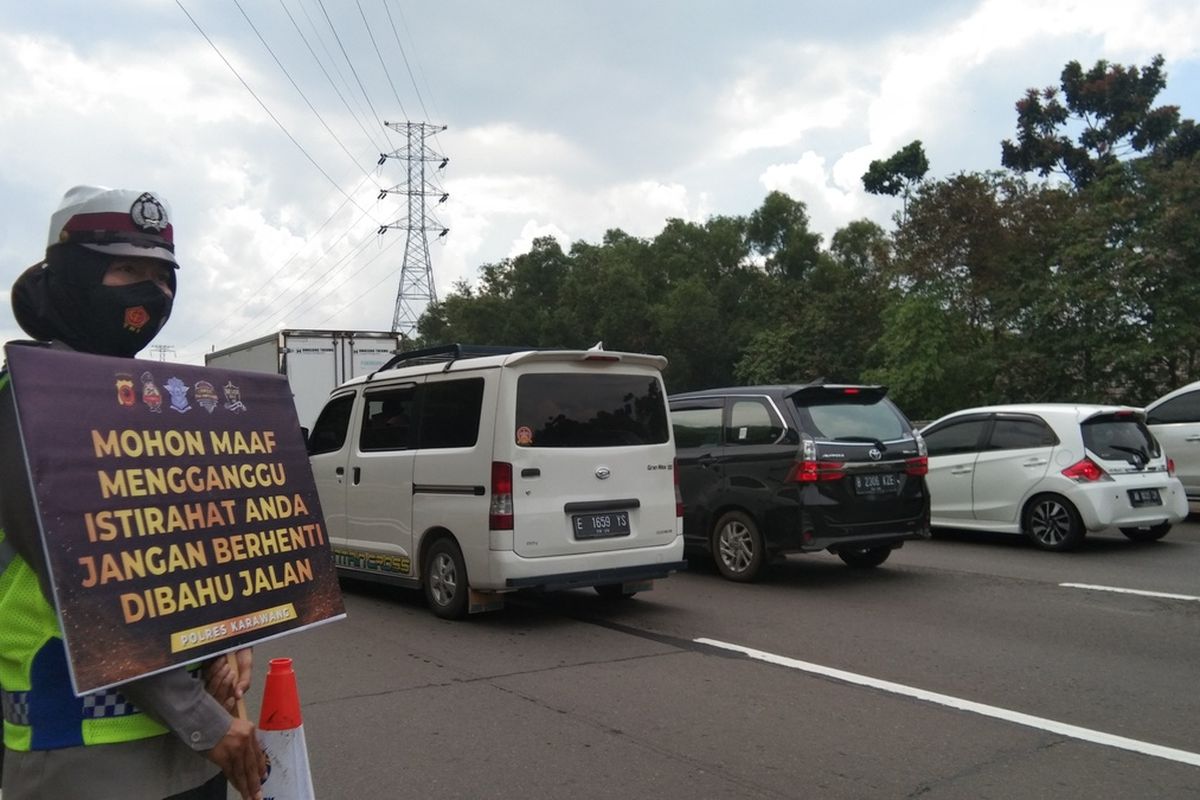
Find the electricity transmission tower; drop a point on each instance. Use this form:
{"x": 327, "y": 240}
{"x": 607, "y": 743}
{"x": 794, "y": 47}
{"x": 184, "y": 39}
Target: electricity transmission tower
{"x": 416, "y": 289}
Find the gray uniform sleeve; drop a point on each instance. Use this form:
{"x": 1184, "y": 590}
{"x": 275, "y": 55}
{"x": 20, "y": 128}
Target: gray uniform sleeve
{"x": 180, "y": 702}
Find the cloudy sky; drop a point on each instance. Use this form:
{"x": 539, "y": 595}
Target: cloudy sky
{"x": 261, "y": 122}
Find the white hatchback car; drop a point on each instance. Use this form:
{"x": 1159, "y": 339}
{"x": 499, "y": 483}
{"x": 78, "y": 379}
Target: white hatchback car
{"x": 1174, "y": 419}
{"x": 1053, "y": 471}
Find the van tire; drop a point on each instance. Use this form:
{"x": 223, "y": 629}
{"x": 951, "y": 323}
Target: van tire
{"x": 737, "y": 547}
{"x": 445, "y": 583}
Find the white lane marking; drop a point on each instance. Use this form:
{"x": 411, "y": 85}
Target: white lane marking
{"x": 1028, "y": 720}
{"x": 1119, "y": 590}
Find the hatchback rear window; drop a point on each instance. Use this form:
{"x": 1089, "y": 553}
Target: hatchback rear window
{"x": 848, "y": 420}
{"x": 1119, "y": 439}
{"x": 588, "y": 410}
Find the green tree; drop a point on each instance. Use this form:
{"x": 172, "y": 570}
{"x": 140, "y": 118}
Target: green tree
{"x": 899, "y": 174}
{"x": 1114, "y": 107}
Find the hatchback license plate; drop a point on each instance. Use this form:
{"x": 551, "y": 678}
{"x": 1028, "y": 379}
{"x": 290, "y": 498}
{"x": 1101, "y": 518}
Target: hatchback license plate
{"x": 883, "y": 483}
{"x": 599, "y": 526}
{"x": 1144, "y": 497}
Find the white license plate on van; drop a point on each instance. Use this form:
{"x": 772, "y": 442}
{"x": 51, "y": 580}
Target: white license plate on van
{"x": 599, "y": 526}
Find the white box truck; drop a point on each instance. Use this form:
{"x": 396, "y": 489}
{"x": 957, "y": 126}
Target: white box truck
{"x": 313, "y": 361}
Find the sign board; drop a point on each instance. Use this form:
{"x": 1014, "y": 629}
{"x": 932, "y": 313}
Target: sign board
{"x": 177, "y": 509}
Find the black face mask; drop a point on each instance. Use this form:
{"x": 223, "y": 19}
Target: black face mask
{"x": 65, "y": 299}
{"x": 124, "y": 319}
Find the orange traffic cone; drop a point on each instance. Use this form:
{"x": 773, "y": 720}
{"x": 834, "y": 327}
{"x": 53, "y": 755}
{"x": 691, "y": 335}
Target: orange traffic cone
{"x": 281, "y": 734}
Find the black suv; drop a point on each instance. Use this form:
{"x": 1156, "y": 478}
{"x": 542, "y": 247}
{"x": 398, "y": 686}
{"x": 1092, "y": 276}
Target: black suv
{"x": 768, "y": 470}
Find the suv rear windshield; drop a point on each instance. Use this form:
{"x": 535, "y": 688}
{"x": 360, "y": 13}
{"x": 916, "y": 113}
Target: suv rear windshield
{"x": 583, "y": 410}
{"x": 1119, "y": 439}
{"x": 850, "y": 417}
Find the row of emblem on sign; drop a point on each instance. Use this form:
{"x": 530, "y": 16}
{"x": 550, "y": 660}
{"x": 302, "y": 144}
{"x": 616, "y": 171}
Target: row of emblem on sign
{"x": 204, "y": 394}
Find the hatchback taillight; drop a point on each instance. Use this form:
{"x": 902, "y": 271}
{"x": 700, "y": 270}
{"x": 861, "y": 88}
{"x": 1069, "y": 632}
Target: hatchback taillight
{"x": 500, "y": 514}
{"x": 1086, "y": 471}
{"x": 678, "y": 496}
{"x": 809, "y": 471}
{"x": 917, "y": 466}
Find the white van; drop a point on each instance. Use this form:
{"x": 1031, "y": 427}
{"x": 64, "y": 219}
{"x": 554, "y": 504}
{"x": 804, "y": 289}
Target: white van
{"x": 472, "y": 474}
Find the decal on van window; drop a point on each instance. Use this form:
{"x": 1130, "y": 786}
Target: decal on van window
{"x": 371, "y": 562}
{"x": 524, "y": 435}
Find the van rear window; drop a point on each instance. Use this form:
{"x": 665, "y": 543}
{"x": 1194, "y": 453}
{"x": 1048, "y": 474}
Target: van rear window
{"x": 589, "y": 410}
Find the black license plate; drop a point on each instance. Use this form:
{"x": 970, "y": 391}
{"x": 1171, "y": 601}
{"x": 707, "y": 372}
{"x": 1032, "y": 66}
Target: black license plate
{"x": 1144, "y": 497}
{"x": 600, "y": 526}
{"x": 882, "y": 483}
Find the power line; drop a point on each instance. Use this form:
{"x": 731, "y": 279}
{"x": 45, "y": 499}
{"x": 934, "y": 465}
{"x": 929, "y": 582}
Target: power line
{"x": 355, "y": 115}
{"x": 274, "y": 119}
{"x": 382, "y": 63}
{"x": 299, "y": 91}
{"x": 350, "y": 63}
{"x": 404, "y": 56}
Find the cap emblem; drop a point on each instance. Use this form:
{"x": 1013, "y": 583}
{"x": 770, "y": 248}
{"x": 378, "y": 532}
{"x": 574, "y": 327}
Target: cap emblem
{"x": 148, "y": 214}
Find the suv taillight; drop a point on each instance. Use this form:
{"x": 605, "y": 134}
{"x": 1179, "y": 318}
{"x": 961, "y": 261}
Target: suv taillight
{"x": 917, "y": 466}
{"x": 1086, "y": 471}
{"x": 500, "y": 515}
{"x": 808, "y": 471}
{"x": 678, "y": 496}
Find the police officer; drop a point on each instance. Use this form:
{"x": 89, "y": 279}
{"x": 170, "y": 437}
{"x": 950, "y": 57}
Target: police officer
{"x": 106, "y": 286}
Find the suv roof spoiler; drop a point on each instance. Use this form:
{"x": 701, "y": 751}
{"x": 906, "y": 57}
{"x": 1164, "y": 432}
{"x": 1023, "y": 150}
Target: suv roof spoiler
{"x": 863, "y": 392}
{"x": 449, "y": 353}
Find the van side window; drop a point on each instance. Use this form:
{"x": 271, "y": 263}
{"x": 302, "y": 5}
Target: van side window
{"x": 751, "y": 422}
{"x": 329, "y": 432}
{"x": 387, "y": 419}
{"x": 697, "y": 427}
{"x": 450, "y": 413}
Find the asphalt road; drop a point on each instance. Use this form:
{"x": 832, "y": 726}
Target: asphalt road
{"x": 953, "y": 671}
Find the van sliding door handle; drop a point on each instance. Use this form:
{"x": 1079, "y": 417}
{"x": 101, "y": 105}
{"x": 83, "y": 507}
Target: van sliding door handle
{"x": 531, "y": 472}
{"x": 357, "y": 475}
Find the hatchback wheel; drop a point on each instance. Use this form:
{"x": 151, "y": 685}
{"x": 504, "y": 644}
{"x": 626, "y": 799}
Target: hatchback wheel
{"x": 1052, "y": 523}
{"x": 1150, "y": 533}
{"x": 738, "y": 547}
{"x": 864, "y": 557}
{"x": 446, "y": 580}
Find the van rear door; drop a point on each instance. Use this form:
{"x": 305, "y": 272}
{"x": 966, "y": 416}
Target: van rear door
{"x": 592, "y": 457}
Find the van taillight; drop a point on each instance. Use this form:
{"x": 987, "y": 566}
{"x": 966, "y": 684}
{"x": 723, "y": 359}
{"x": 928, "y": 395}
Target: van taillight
{"x": 500, "y": 515}
{"x": 1086, "y": 471}
{"x": 917, "y": 466}
{"x": 1171, "y": 467}
{"x": 808, "y": 471}
{"x": 678, "y": 496}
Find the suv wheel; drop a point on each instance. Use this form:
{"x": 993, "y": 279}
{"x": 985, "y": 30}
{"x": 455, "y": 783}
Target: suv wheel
{"x": 1052, "y": 523}
{"x": 1150, "y": 533}
{"x": 738, "y": 547}
{"x": 864, "y": 557}
{"x": 613, "y": 592}
{"x": 446, "y": 580}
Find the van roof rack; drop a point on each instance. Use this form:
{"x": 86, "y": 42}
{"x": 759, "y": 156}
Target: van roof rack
{"x": 448, "y": 353}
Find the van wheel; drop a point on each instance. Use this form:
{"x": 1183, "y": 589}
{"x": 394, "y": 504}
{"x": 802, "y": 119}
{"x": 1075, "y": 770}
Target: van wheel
{"x": 612, "y": 591}
{"x": 738, "y": 547}
{"x": 1052, "y": 523}
{"x": 446, "y": 580}
{"x": 864, "y": 557}
{"x": 1150, "y": 533}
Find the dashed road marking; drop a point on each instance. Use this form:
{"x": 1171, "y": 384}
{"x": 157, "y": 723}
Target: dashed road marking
{"x": 995, "y": 712}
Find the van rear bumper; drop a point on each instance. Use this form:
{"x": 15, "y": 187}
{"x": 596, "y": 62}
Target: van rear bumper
{"x": 596, "y": 577}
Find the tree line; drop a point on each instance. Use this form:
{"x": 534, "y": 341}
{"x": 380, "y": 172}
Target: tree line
{"x": 1071, "y": 275}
